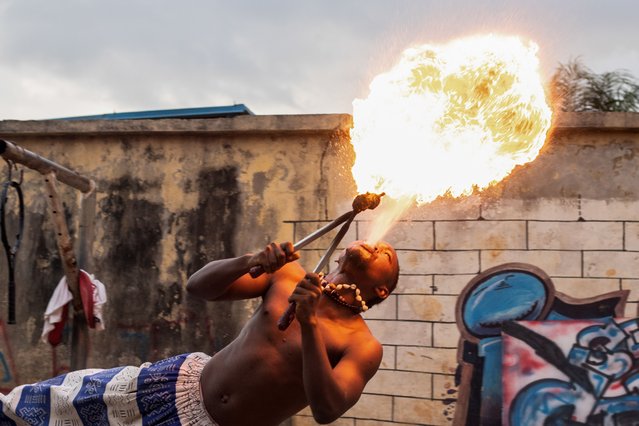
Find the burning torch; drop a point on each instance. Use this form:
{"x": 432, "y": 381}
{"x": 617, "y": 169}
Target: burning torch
{"x": 367, "y": 201}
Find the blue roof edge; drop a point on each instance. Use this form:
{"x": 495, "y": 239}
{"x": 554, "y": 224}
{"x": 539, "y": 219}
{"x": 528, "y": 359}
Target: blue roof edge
{"x": 200, "y": 112}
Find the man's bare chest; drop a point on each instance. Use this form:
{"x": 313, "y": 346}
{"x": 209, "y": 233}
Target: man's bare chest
{"x": 288, "y": 344}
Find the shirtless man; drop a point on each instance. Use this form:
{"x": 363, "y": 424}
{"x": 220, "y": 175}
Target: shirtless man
{"x": 264, "y": 376}
{"x": 326, "y": 356}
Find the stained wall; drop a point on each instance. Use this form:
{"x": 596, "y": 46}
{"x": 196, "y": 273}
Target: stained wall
{"x": 173, "y": 194}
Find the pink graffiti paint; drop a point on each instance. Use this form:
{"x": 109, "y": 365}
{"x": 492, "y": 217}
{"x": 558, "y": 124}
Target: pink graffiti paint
{"x": 583, "y": 371}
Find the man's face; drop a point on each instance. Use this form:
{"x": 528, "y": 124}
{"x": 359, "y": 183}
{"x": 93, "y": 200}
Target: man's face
{"x": 370, "y": 264}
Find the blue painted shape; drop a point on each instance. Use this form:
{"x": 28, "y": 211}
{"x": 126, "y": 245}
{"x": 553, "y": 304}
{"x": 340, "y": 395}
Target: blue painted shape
{"x": 606, "y": 336}
{"x": 555, "y": 316}
{"x": 631, "y": 383}
{"x": 552, "y": 401}
{"x": 578, "y": 355}
{"x": 623, "y": 404}
{"x": 89, "y": 402}
{"x": 491, "y": 349}
{"x": 631, "y": 328}
{"x": 543, "y": 400}
{"x": 6, "y": 377}
{"x": 508, "y": 296}
{"x": 599, "y": 382}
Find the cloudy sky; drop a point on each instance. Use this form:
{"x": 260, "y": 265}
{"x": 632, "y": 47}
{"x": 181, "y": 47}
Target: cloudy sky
{"x": 78, "y": 57}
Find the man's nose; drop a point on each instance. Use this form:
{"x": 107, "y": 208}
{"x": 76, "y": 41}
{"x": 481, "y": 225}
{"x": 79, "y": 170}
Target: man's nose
{"x": 369, "y": 248}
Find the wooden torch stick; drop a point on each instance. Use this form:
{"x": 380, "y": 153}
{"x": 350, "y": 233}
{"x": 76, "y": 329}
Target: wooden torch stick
{"x": 19, "y": 155}
{"x": 79, "y": 344}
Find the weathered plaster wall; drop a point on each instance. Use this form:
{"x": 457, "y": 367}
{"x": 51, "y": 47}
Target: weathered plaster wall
{"x": 175, "y": 193}
{"x": 172, "y": 195}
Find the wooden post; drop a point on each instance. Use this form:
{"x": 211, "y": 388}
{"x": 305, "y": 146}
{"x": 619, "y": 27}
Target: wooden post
{"x": 79, "y": 343}
{"x": 464, "y": 391}
{"x": 54, "y": 172}
{"x": 33, "y": 161}
{"x": 86, "y": 228}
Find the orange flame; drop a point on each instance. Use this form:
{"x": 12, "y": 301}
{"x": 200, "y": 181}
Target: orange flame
{"x": 449, "y": 119}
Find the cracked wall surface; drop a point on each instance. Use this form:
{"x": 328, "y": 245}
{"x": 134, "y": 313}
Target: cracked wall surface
{"x": 173, "y": 194}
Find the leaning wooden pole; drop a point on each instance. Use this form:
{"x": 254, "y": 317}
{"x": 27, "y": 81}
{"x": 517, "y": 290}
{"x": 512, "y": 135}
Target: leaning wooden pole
{"x": 86, "y": 229}
{"x": 53, "y": 173}
{"x": 34, "y": 161}
{"x": 79, "y": 343}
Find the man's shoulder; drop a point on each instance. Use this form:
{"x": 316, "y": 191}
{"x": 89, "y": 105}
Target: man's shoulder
{"x": 363, "y": 338}
{"x": 365, "y": 350}
{"x": 291, "y": 271}
{"x": 287, "y": 277}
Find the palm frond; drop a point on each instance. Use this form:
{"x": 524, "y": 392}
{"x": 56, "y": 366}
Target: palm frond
{"x": 574, "y": 87}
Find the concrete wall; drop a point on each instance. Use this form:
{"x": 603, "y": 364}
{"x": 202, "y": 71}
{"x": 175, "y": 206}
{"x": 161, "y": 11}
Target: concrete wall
{"x": 174, "y": 193}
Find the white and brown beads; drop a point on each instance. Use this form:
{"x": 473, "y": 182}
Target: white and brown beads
{"x": 332, "y": 290}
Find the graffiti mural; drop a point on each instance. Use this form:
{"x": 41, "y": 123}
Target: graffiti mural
{"x": 499, "y": 296}
{"x": 571, "y": 373}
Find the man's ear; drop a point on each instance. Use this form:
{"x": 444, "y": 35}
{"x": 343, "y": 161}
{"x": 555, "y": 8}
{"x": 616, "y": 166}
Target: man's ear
{"x": 382, "y": 291}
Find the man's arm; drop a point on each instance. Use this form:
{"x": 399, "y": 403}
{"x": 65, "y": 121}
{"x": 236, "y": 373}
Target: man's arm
{"x": 229, "y": 279}
{"x": 331, "y": 391}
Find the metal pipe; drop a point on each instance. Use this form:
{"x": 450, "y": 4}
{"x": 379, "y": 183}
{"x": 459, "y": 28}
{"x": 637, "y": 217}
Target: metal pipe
{"x": 256, "y": 271}
{"x": 320, "y": 232}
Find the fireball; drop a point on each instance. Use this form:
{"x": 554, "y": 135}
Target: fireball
{"x": 450, "y": 119}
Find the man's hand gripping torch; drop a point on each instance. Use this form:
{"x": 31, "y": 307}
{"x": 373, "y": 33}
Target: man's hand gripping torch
{"x": 360, "y": 203}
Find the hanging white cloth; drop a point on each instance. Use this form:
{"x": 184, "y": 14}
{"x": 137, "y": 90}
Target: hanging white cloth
{"x": 56, "y": 313}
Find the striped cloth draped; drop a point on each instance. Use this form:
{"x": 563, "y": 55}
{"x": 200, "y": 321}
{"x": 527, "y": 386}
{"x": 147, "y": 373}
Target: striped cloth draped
{"x": 164, "y": 393}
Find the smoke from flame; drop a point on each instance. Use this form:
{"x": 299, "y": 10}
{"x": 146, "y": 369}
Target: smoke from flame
{"x": 448, "y": 119}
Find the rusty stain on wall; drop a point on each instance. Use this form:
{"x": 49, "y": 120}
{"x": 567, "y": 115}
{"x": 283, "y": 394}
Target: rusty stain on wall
{"x": 168, "y": 202}
{"x": 174, "y": 194}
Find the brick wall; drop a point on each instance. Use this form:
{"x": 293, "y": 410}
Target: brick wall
{"x": 588, "y": 246}
{"x": 573, "y": 212}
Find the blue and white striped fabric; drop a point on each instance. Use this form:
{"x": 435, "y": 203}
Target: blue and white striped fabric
{"x": 164, "y": 393}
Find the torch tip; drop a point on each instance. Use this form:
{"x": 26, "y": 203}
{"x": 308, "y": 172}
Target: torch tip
{"x": 366, "y": 201}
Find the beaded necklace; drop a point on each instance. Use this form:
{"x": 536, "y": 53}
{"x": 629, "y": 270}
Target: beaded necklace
{"x": 331, "y": 290}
